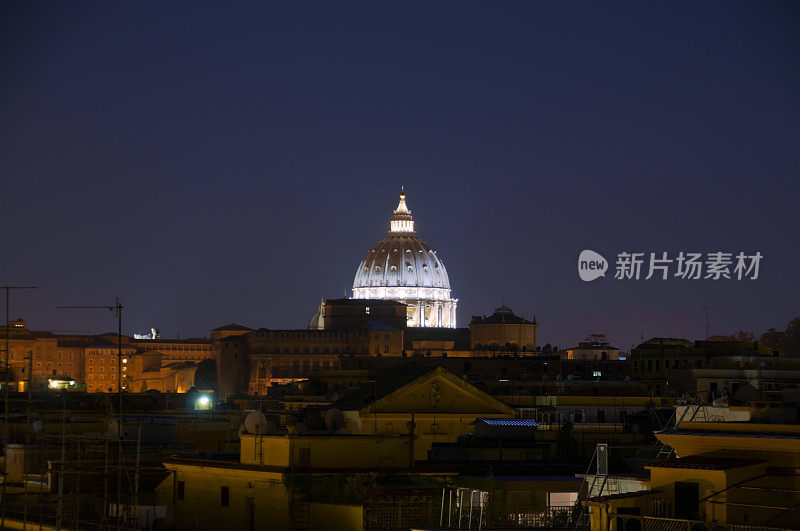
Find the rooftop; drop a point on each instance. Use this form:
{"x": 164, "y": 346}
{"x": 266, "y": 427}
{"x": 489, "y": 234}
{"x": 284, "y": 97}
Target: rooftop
{"x": 362, "y": 302}
{"x": 732, "y": 433}
{"x": 527, "y": 423}
{"x": 232, "y": 326}
{"x": 501, "y": 315}
{"x": 705, "y": 462}
{"x": 383, "y": 386}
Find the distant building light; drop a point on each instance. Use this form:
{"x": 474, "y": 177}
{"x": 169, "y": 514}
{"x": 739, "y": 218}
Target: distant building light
{"x": 597, "y": 373}
{"x": 203, "y": 402}
{"x": 60, "y": 383}
{"x": 154, "y": 333}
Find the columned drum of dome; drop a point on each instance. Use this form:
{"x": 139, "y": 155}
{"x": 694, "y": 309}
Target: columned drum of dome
{"x": 404, "y": 268}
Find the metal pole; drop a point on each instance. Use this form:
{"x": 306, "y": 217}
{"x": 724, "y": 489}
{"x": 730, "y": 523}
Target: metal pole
{"x": 119, "y": 396}
{"x": 105, "y": 488}
{"x": 441, "y": 511}
{"x": 78, "y": 485}
{"x": 471, "y": 495}
{"x": 118, "y": 308}
{"x": 60, "y": 507}
{"x": 138, "y": 463}
{"x": 480, "y": 519}
{"x": 25, "y": 505}
{"x": 449, "y": 508}
{"x": 460, "y": 505}
{"x": 5, "y": 392}
{"x": 5, "y": 417}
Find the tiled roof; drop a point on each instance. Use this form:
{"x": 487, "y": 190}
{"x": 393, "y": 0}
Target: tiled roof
{"x": 232, "y": 326}
{"x": 369, "y": 393}
{"x": 502, "y": 315}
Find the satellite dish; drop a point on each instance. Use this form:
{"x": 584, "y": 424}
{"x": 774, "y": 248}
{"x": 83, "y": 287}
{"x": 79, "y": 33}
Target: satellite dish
{"x": 37, "y": 425}
{"x": 255, "y": 423}
{"x": 334, "y": 419}
{"x": 300, "y": 428}
{"x": 569, "y": 378}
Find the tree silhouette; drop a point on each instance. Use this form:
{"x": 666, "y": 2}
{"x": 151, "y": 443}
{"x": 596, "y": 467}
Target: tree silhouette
{"x": 786, "y": 341}
{"x": 205, "y": 376}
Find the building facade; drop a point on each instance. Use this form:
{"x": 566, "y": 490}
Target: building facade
{"x": 503, "y": 330}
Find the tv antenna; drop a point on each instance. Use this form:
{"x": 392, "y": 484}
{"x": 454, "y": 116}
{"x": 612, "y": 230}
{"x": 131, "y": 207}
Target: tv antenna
{"x": 708, "y": 327}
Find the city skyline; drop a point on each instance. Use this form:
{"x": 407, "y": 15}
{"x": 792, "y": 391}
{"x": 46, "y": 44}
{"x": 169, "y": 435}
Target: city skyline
{"x": 240, "y": 174}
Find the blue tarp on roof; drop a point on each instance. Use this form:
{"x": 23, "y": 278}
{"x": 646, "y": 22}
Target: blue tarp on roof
{"x": 526, "y": 423}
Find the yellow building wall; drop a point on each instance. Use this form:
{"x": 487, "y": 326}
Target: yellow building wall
{"x": 336, "y": 517}
{"x": 430, "y": 428}
{"x": 709, "y": 482}
{"x": 386, "y": 343}
{"x": 443, "y": 406}
{"x": 776, "y": 451}
{"x": 201, "y": 507}
{"x": 324, "y": 452}
{"x": 522, "y": 335}
{"x": 274, "y": 450}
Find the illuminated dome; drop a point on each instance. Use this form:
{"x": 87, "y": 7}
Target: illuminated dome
{"x": 404, "y": 268}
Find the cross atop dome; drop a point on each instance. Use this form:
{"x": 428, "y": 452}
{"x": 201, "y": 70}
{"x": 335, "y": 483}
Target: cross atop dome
{"x": 401, "y": 220}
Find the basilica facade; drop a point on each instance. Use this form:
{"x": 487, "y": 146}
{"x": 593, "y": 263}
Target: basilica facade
{"x": 403, "y": 268}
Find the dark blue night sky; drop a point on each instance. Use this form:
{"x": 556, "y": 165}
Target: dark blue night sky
{"x": 231, "y": 162}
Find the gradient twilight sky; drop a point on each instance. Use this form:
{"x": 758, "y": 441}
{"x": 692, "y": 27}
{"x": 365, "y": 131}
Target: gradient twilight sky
{"x": 213, "y": 162}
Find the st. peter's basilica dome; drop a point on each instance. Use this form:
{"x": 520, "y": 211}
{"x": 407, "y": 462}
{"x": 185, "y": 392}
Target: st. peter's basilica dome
{"x": 404, "y": 268}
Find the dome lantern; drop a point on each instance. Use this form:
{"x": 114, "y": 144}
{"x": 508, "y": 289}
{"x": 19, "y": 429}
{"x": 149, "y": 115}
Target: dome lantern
{"x": 401, "y": 220}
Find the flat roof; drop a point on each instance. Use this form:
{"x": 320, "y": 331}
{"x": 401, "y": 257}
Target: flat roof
{"x": 637, "y": 494}
{"x": 743, "y": 434}
{"x": 705, "y": 462}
